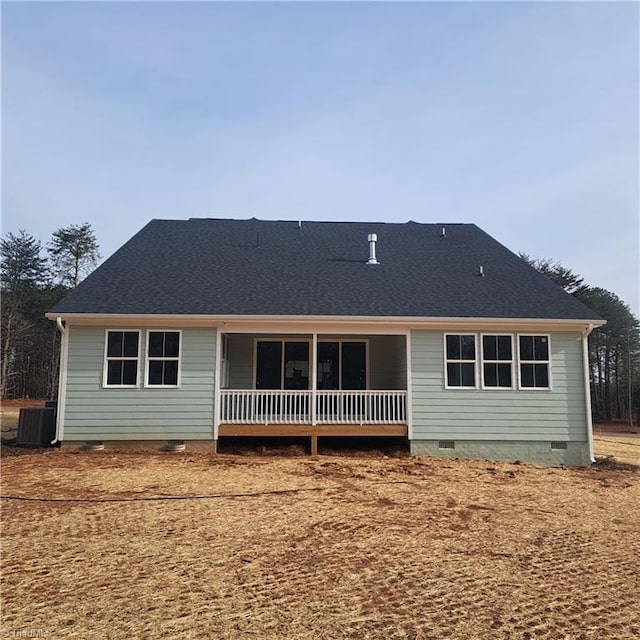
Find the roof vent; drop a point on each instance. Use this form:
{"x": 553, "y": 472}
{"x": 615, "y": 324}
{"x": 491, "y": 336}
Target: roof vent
{"x": 481, "y": 271}
{"x": 444, "y": 232}
{"x": 372, "y": 238}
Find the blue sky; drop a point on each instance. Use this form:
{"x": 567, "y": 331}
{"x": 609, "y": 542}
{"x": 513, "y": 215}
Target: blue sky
{"x": 520, "y": 117}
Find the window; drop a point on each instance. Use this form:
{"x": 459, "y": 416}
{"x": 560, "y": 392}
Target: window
{"x": 460, "y": 356}
{"x": 163, "y": 358}
{"x": 497, "y": 361}
{"x": 122, "y": 352}
{"x": 534, "y": 362}
{"x": 281, "y": 364}
{"x": 342, "y": 364}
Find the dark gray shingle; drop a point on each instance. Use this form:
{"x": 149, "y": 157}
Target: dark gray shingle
{"x": 275, "y": 268}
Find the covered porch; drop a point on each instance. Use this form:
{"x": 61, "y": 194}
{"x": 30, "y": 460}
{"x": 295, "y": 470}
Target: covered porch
{"x": 312, "y": 385}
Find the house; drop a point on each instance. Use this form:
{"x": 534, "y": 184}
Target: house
{"x": 202, "y": 328}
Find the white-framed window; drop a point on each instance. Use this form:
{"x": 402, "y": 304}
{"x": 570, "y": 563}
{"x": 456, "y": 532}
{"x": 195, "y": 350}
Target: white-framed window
{"x": 121, "y": 358}
{"x": 534, "y": 361}
{"x": 497, "y": 361}
{"x": 163, "y": 358}
{"x": 224, "y": 361}
{"x": 342, "y": 364}
{"x": 460, "y": 356}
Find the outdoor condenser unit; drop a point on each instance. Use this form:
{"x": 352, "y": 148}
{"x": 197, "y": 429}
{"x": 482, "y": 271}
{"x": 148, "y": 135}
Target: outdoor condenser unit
{"x": 36, "y": 427}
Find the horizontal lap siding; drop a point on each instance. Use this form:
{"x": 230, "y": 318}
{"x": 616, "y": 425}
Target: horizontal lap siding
{"x": 95, "y": 413}
{"x": 484, "y": 414}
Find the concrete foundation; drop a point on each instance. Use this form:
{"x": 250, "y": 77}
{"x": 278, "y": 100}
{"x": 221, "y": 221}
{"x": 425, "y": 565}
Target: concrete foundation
{"x": 209, "y": 446}
{"x": 576, "y": 453}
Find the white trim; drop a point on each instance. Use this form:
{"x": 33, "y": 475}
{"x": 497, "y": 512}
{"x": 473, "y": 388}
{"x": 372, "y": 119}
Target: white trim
{"x": 146, "y": 384}
{"x": 534, "y": 362}
{"x": 483, "y": 386}
{"x": 106, "y": 358}
{"x": 370, "y": 324}
{"x": 217, "y": 409}
{"x": 446, "y": 361}
{"x": 62, "y": 381}
{"x": 587, "y": 389}
{"x": 314, "y": 378}
{"x": 409, "y": 409}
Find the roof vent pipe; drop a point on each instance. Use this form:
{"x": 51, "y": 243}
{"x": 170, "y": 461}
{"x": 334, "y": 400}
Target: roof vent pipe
{"x": 444, "y": 232}
{"x": 481, "y": 271}
{"x": 372, "y": 238}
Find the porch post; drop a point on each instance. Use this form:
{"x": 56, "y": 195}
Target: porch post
{"x": 216, "y": 387}
{"x": 409, "y": 407}
{"x": 314, "y": 376}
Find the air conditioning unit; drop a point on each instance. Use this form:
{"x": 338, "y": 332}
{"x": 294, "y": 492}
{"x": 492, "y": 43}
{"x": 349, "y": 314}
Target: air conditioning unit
{"x": 36, "y": 427}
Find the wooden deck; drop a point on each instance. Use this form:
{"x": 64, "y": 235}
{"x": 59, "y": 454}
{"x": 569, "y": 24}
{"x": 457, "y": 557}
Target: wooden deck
{"x": 312, "y": 431}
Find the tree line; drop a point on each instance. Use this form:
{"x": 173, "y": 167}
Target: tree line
{"x": 614, "y": 349}
{"x": 33, "y": 278}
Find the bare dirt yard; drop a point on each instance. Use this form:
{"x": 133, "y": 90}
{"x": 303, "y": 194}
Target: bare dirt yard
{"x": 225, "y": 547}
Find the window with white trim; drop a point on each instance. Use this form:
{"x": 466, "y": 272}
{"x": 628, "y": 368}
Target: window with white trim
{"x": 497, "y": 361}
{"x": 460, "y": 360}
{"x": 534, "y": 361}
{"x": 122, "y": 356}
{"x": 163, "y": 358}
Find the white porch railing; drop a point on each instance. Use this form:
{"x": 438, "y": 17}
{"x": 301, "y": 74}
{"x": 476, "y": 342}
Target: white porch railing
{"x": 295, "y": 407}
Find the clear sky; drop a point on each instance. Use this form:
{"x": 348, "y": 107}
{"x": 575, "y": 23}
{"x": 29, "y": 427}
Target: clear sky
{"x": 520, "y": 117}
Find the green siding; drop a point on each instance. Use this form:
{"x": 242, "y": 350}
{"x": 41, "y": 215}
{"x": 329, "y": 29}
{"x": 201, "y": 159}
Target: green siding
{"x": 558, "y": 414}
{"x": 95, "y": 413}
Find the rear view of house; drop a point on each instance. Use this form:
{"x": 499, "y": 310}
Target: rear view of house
{"x": 202, "y": 328}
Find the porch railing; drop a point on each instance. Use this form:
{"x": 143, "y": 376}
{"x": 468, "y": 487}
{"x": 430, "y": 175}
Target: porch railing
{"x": 296, "y": 407}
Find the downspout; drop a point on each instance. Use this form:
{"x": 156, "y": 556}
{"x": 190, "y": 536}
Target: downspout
{"x": 587, "y": 388}
{"x": 62, "y": 382}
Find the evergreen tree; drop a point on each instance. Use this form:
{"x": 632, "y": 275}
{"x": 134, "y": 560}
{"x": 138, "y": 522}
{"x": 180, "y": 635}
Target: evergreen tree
{"x": 74, "y": 252}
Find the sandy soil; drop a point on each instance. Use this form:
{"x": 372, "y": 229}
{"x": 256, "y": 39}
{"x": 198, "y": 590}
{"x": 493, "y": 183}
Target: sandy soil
{"x": 333, "y": 547}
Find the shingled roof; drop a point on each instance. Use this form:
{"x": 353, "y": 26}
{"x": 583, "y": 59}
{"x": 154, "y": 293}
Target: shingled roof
{"x": 279, "y": 268}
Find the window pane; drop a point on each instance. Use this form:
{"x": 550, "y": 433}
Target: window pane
{"x": 468, "y": 347}
{"x": 526, "y": 375}
{"x": 354, "y": 365}
{"x": 526, "y": 347}
{"x": 328, "y": 366}
{"x": 541, "y": 374}
{"x": 490, "y": 347}
{"x": 155, "y": 372}
{"x": 468, "y": 375}
{"x": 296, "y": 365}
{"x": 461, "y": 375}
{"x": 490, "y": 375}
{"x": 504, "y": 348}
{"x": 268, "y": 365}
{"x": 541, "y": 348}
{"x": 114, "y": 372}
{"x": 114, "y": 344}
{"x": 453, "y": 348}
{"x": 156, "y": 344}
{"x": 170, "y": 372}
{"x": 131, "y": 344}
{"x": 453, "y": 374}
{"x": 171, "y": 344}
{"x": 129, "y": 372}
{"x": 504, "y": 375}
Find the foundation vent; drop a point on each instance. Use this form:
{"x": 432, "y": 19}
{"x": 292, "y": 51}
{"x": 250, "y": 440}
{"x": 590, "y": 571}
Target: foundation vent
{"x": 558, "y": 446}
{"x": 446, "y": 444}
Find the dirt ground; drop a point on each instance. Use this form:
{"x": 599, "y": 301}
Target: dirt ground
{"x": 314, "y": 548}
